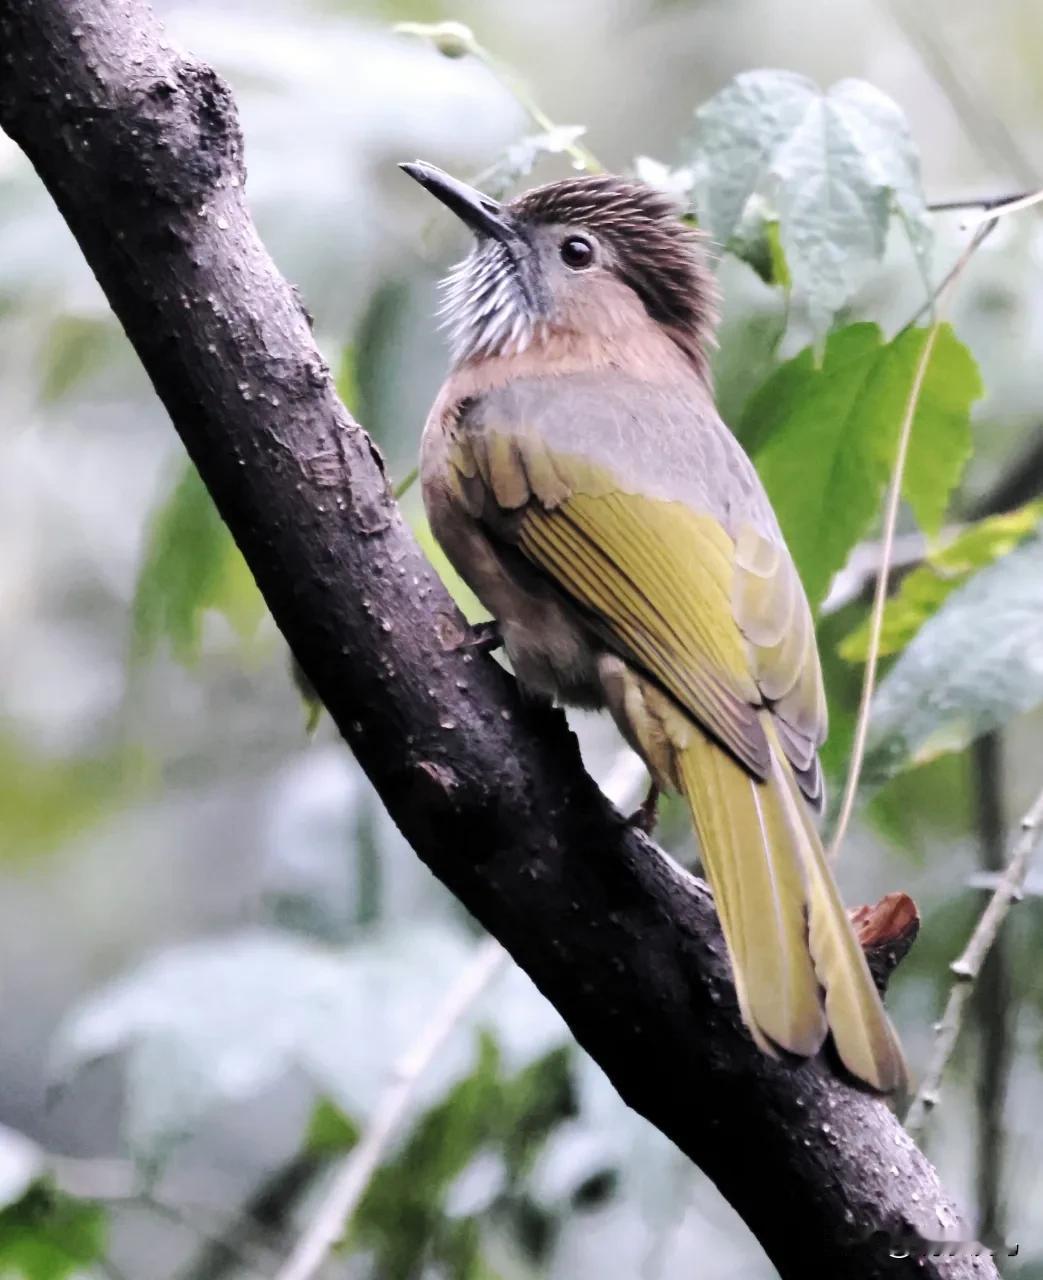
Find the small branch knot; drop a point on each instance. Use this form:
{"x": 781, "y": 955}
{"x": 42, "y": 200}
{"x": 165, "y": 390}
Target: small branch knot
{"x": 886, "y": 932}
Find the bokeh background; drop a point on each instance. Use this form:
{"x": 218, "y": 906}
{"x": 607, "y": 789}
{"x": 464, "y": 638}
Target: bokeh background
{"x": 207, "y": 922}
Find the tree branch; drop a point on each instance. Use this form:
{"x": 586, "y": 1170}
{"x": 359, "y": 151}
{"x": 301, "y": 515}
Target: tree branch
{"x": 140, "y": 148}
{"x": 1020, "y": 481}
{"x": 984, "y": 203}
{"x": 995, "y": 1000}
{"x": 968, "y": 965}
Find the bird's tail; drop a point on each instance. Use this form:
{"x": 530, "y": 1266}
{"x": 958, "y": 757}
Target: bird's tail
{"x": 799, "y": 970}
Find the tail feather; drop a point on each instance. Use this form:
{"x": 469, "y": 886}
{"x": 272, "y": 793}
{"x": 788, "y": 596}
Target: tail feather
{"x": 787, "y": 932}
{"x": 758, "y": 888}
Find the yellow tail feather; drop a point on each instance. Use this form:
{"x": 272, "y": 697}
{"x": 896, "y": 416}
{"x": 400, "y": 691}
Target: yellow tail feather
{"x": 787, "y": 932}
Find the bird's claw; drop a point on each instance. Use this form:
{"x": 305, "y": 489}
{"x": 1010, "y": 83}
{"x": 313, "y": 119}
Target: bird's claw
{"x": 482, "y": 637}
{"x": 646, "y": 815}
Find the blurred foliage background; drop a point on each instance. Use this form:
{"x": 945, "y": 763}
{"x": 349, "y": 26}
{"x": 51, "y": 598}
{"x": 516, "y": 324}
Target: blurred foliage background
{"x": 211, "y": 936}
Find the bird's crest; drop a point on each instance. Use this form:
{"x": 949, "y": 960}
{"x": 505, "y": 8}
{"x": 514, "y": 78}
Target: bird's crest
{"x": 660, "y": 256}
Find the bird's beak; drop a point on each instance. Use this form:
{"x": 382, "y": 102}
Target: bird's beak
{"x": 481, "y": 213}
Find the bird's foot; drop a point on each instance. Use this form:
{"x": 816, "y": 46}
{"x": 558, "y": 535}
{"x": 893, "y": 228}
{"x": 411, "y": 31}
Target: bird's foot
{"x": 646, "y": 815}
{"x": 482, "y": 637}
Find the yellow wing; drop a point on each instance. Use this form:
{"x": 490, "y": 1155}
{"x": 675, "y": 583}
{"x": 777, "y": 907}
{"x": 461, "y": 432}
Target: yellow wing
{"x": 655, "y": 580}
{"x": 721, "y": 624}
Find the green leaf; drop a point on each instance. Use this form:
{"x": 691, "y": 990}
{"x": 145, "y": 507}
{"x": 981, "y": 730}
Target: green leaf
{"x": 823, "y": 437}
{"x": 813, "y": 433}
{"x": 829, "y": 167}
{"x": 48, "y": 1236}
{"x": 216, "y": 1022}
{"x": 973, "y": 666}
{"x": 370, "y": 373}
{"x": 916, "y": 811}
{"x": 219, "y": 1021}
{"x": 758, "y": 241}
{"x": 488, "y": 1130}
{"x": 401, "y": 1218}
{"x": 537, "y": 1099}
{"x": 843, "y": 683}
{"x": 926, "y": 588}
{"x": 191, "y": 565}
{"x": 330, "y": 1131}
{"x": 445, "y": 1139}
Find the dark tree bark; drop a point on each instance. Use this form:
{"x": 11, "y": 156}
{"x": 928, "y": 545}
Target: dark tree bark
{"x": 140, "y": 148}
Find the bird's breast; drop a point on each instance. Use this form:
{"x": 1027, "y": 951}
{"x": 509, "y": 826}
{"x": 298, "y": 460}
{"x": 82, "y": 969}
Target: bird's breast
{"x": 550, "y": 648}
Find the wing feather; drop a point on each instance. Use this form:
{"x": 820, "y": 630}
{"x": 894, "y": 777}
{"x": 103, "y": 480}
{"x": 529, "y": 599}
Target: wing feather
{"x": 709, "y": 605}
{"x": 617, "y": 556}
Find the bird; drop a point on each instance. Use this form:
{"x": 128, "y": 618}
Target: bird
{"x": 579, "y": 478}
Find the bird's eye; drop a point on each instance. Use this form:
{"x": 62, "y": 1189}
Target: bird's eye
{"x": 577, "y": 252}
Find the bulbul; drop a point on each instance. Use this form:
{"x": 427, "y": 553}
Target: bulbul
{"x": 578, "y": 476}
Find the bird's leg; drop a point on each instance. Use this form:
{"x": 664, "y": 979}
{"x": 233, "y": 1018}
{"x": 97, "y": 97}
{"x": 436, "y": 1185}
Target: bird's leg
{"x": 482, "y": 637}
{"x": 646, "y": 815}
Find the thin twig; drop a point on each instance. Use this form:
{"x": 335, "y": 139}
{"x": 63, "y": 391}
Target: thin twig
{"x": 1012, "y": 206}
{"x": 894, "y": 497}
{"x": 980, "y": 236}
{"x": 992, "y": 1007}
{"x": 406, "y": 483}
{"x": 350, "y": 1181}
{"x": 981, "y": 202}
{"x": 454, "y": 39}
{"x": 968, "y": 966}
{"x": 876, "y": 622}
{"x": 353, "y": 1177}
{"x": 581, "y": 156}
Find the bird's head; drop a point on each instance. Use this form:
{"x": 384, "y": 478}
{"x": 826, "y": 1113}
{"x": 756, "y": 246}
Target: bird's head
{"x": 590, "y": 257}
